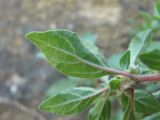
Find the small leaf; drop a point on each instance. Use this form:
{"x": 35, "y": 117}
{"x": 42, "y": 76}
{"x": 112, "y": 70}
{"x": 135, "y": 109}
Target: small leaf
{"x": 71, "y": 101}
{"x": 115, "y": 84}
{"x": 146, "y": 103}
{"x": 101, "y": 111}
{"x": 125, "y": 60}
{"x": 151, "y": 59}
{"x": 137, "y": 45}
{"x": 65, "y": 52}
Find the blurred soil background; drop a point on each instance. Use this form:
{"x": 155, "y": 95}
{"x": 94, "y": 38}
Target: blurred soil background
{"x": 25, "y": 77}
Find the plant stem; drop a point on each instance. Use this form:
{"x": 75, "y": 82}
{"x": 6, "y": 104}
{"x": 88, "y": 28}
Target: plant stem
{"x": 150, "y": 77}
{"x": 132, "y": 99}
{"x": 141, "y": 78}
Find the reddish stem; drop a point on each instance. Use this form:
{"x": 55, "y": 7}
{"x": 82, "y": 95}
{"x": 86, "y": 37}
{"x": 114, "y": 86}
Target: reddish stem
{"x": 141, "y": 78}
{"x": 152, "y": 77}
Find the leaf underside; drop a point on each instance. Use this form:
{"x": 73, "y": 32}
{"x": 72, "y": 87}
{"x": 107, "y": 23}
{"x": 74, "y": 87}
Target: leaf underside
{"x": 65, "y": 52}
{"x": 71, "y": 101}
{"x": 137, "y": 44}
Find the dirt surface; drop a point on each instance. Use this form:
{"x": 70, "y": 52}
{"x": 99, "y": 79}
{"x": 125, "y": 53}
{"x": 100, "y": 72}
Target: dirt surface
{"x": 24, "y": 77}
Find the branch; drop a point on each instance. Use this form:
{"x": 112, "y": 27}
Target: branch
{"x": 22, "y": 108}
{"x": 150, "y": 77}
{"x": 141, "y": 78}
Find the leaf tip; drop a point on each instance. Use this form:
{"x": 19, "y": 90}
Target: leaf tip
{"x": 30, "y": 35}
{"x": 41, "y": 106}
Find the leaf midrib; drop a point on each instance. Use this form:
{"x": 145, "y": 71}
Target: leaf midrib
{"x": 66, "y": 52}
{"x": 75, "y": 100}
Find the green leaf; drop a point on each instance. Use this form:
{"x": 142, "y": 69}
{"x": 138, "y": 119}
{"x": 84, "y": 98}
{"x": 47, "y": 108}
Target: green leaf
{"x": 125, "y": 60}
{"x": 151, "y": 59}
{"x": 115, "y": 83}
{"x": 66, "y": 53}
{"x": 101, "y": 111}
{"x": 146, "y": 103}
{"x": 71, "y": 101}
{"x": 155, "y": 116}
{"x": 137, "y": 44}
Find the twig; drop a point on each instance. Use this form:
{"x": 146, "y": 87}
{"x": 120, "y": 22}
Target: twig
{"x": 22, "y": 108}
{"x": 141, "y": 78}
{"x": 151, "y": 77}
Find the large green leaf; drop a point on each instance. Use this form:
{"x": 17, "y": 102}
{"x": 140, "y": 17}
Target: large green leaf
{"x": 137, "y": 44}
{"x": 151, "y": 59}
{"x": 65, "y": 52}
{"x": 101, "y": 111}
{"x": 146, "y": 103}
{"x": 71, "y": 101}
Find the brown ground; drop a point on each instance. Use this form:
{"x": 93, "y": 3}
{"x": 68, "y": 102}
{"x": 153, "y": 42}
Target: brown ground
{"x": 24, "y": 77}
